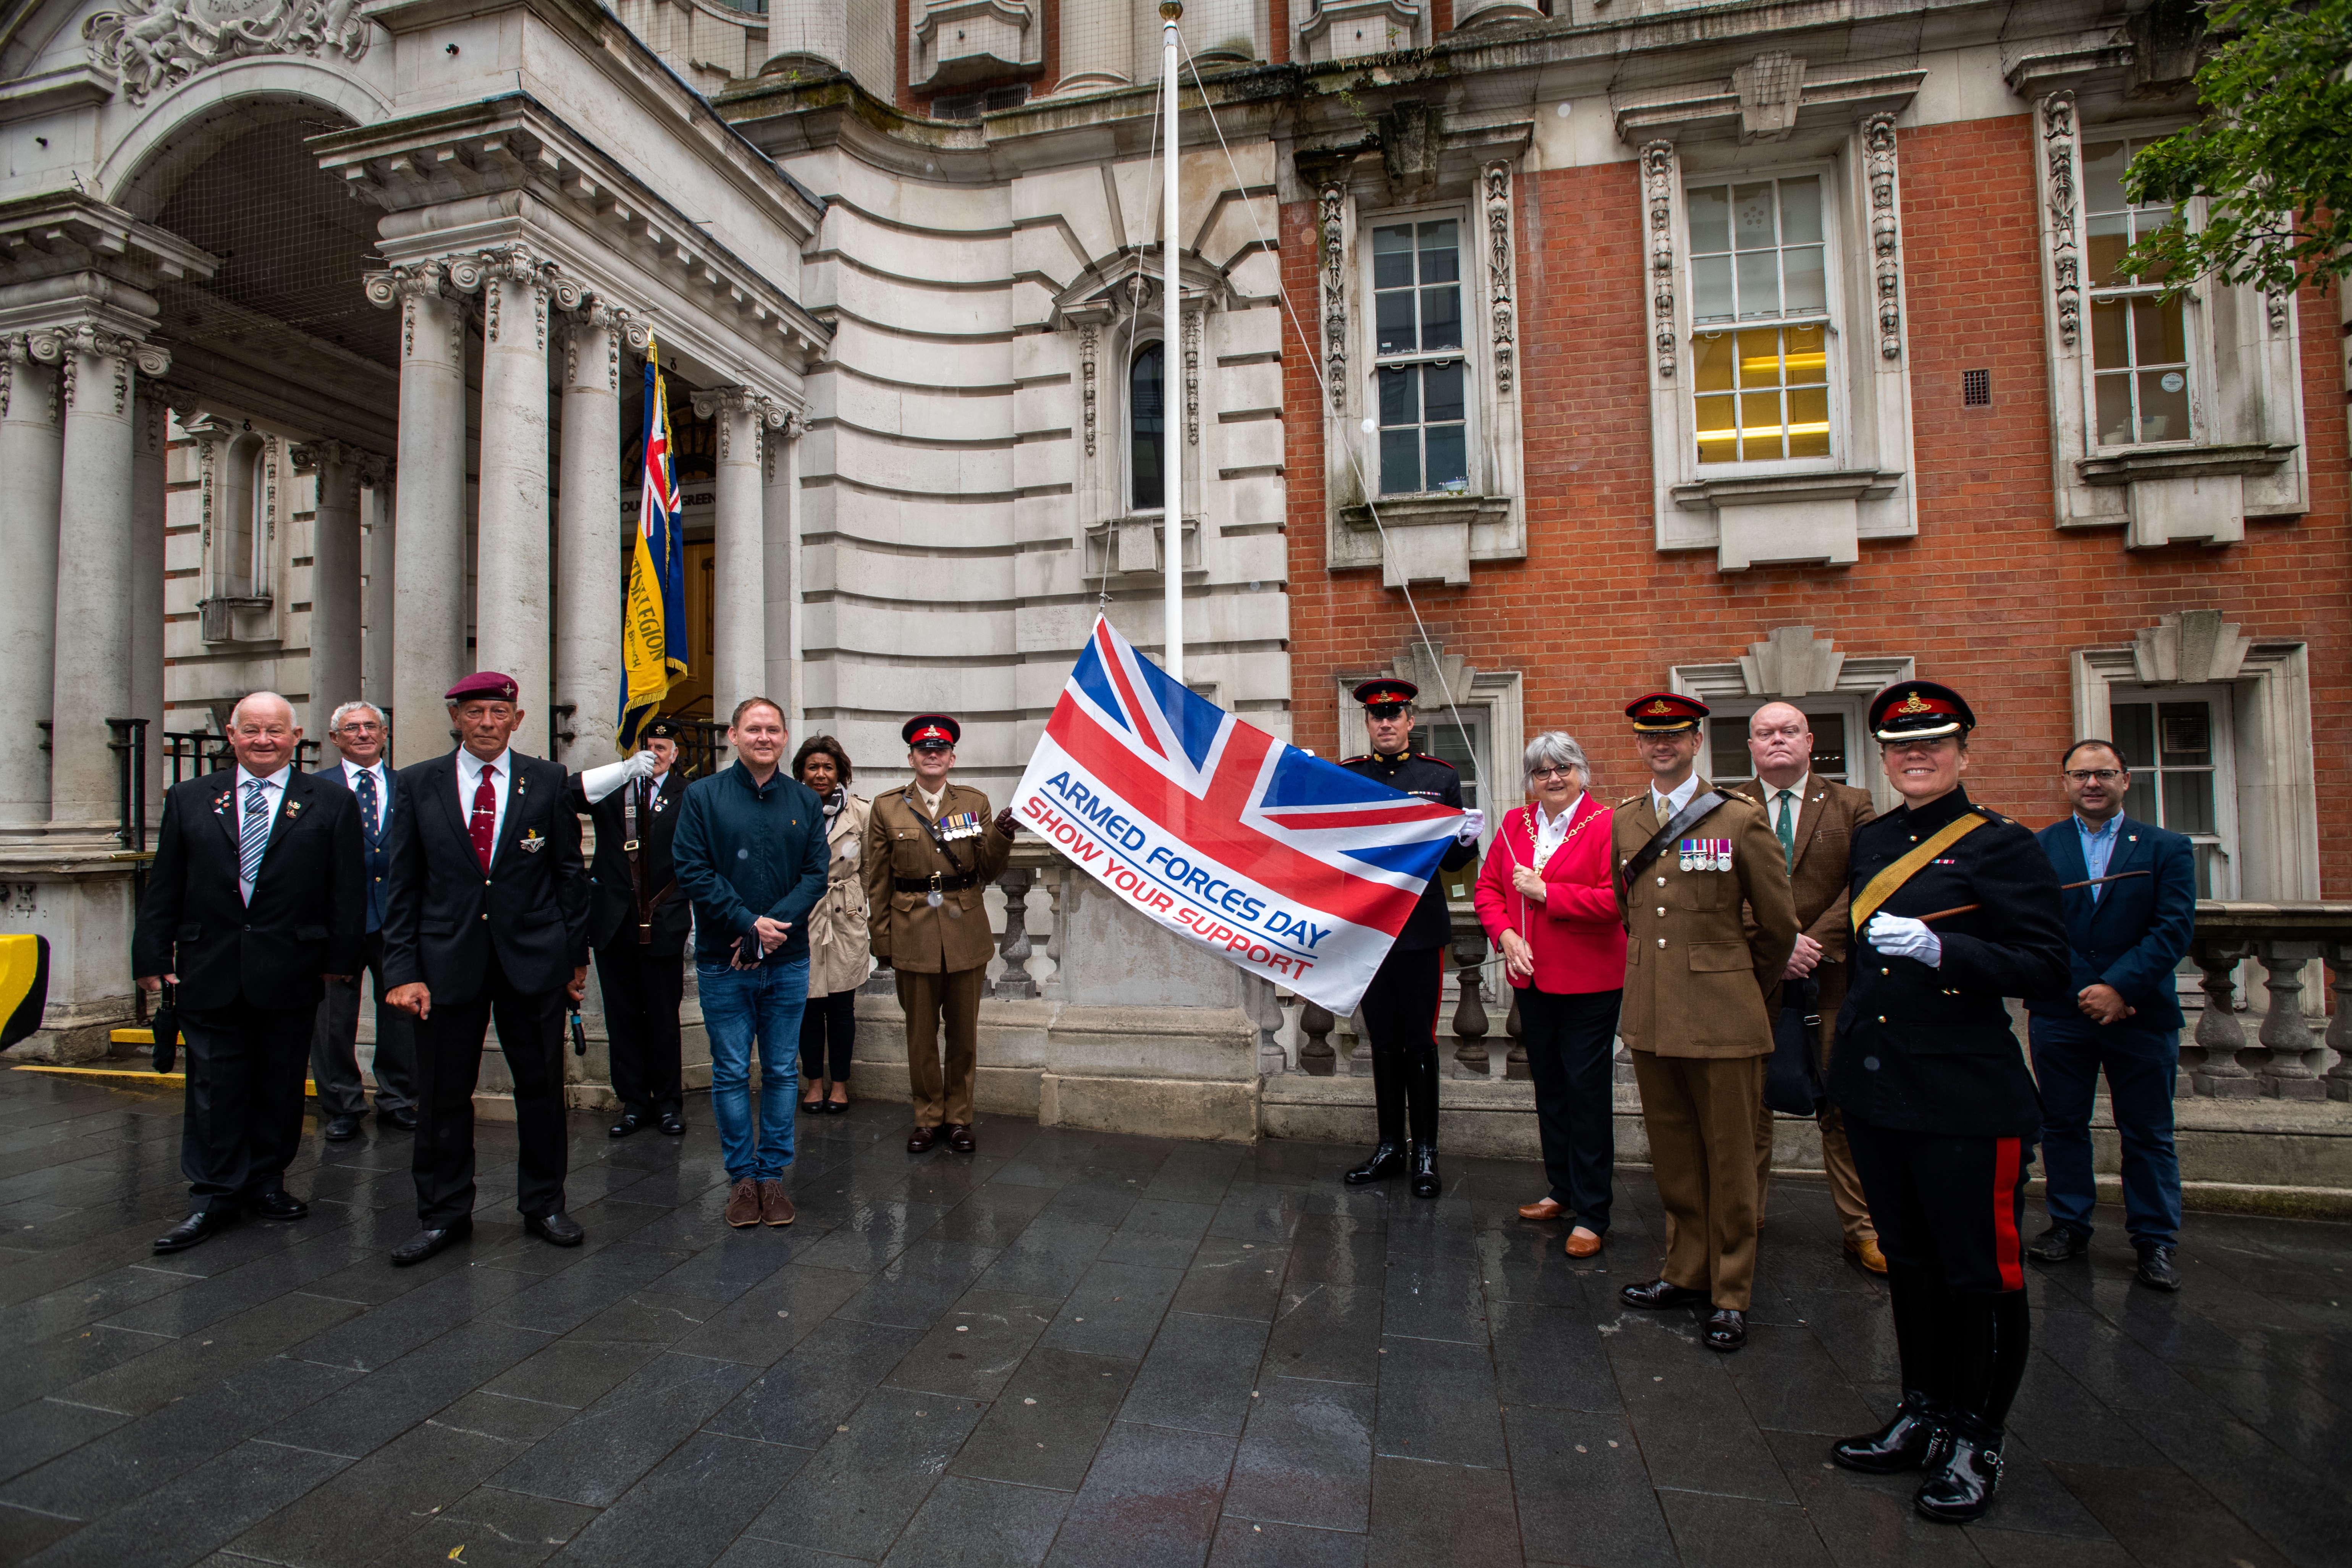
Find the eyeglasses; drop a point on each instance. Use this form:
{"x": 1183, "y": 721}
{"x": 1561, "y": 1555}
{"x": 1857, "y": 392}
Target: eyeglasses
{"x": 1545, "y": 776}
{"x": 2103, "y": 776}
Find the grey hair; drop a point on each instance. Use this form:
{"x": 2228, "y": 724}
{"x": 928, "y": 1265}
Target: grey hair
{"x": 1554, "y": 749}
{"x": 248, "y": 696}
{"x": 335, "y": 720}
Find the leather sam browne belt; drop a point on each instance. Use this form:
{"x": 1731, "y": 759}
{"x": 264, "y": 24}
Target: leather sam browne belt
{"x": 937, "y": 882}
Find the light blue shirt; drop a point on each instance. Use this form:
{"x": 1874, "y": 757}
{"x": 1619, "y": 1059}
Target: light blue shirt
{"x": 2098, "y": 847}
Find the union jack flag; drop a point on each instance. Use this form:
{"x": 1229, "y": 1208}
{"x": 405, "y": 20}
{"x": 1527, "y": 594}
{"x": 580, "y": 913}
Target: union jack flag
{"x": 1292, "y": 867}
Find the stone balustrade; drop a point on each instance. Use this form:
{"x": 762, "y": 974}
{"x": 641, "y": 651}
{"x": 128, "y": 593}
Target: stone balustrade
{"x": 2289, "y": 1056}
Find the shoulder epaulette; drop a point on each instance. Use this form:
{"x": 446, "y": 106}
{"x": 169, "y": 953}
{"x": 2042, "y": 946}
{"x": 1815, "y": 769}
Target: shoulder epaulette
{"x": 1441, "y": 762}
{"x": 1631, "y": 798}
{"x": 1990, "y": 815}
{"x": 1361, "y": 757}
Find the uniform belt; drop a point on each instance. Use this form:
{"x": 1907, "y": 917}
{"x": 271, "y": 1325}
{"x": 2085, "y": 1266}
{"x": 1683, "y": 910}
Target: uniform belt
{"x": 937, "y": 882}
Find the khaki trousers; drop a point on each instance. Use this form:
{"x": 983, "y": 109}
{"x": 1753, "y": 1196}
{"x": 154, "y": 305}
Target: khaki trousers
{"x": 1845, "y": 1182}
{"x": 1701, "y": 1116}
{"x": 953, "y": 996}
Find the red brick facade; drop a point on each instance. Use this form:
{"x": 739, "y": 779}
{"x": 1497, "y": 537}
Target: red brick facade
{"x": 1990, "y": 596}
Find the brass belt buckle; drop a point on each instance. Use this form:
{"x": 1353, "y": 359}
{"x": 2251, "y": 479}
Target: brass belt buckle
{"x": 629, "y": 846}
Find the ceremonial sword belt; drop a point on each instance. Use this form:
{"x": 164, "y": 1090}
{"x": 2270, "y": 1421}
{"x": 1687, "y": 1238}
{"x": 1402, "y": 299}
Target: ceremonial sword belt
{"x": 937, "y": 882}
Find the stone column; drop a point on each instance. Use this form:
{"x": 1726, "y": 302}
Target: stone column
{"x": 31, "y": 455}
{"x": 429, "y": 537}
{"x": 739, "y": 653}
{"x": 512, "y": 583}
{"x": 151, "y": 449}
{"x": 376, "y": 599}
{"x": 335, "y": 570}
{"x": 778, "y": 472}
{"x": 91, "y": 681}
{"x": 589, "y": 535}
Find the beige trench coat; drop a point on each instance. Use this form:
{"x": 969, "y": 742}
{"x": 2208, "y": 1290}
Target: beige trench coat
{"x": 839, "y": 958}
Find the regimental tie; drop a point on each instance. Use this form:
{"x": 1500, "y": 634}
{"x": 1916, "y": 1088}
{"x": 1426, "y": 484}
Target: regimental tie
{"x": 484, "y": 826}
{"x": 1787, "y": 798}
{"x": 253, "y": 836}
{"x": 367, "y": 803}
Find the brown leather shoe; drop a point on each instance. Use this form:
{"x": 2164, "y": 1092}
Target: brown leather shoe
{"x": 743, "y": 1204}
{"x": 921, "y": 1139}
{"x": 775, "y": 1209}
{"x": 1542, "y": 1208}
{"x": 1866, "y": 1253}
{"x": 1582, "y": 1243}
{"x": 959, "y": 1137}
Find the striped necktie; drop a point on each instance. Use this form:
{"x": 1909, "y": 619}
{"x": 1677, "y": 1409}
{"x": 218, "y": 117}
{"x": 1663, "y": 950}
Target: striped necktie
{"x": 253, "y": 836}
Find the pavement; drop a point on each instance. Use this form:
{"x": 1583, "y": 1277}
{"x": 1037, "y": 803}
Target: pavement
{"x": 1071, "y": 1348}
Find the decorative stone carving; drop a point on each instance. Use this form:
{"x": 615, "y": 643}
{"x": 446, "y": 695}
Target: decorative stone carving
{"x": 1191, "y": 378}
{"x": 1886, "y": 232}
{"x": 1771, "y": 89}
{"x": 152, "y": 45}
{"x": 1498, "y": 269}
{"x": 314, "y": 456}
{"x": 1088, "y": 344}
{"x": 2190, "y": 647}
{"x": 403, "y": 286}
{"x": 1334, "y": 203}
{"x": 2065, "y": 253}
{"x": 730, "y": 400}
{"x": 1791, "y": 663}
{"x": 65, "y": 346}
{"x": 1658, "y": 181}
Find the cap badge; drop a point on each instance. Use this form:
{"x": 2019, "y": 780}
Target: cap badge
{"x": 1658, "y": 707}
{"x": 1912, "y": 704}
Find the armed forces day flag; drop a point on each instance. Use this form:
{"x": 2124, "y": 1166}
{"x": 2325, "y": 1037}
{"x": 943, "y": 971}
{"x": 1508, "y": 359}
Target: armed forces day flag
{"x": 1293, "y": 868}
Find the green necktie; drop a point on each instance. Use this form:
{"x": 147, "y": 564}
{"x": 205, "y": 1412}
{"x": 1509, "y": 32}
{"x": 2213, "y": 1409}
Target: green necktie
{"x": 1789, "y": 827}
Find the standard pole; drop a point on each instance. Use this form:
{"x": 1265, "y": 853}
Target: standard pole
{"x": 1171, "y": 317}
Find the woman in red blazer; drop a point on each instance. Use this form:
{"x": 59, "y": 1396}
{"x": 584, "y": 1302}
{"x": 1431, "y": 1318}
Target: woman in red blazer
{"x": 1545, "y": 899}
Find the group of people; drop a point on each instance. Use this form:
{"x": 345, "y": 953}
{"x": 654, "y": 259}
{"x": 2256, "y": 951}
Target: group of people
{"x": 1710, "y": 929}
{"x": 460, "y": 885}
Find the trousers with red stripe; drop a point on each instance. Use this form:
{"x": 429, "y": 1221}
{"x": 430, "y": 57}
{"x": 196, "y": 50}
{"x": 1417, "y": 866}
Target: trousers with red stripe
{"x": 1949, "y": 1208}
{"x": 1399, "y": 1011}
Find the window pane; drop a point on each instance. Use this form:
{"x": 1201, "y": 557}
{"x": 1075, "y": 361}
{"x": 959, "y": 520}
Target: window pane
{"x": 1449, "y": 467}
{"x": 1717, "y": 443}
{"x": 1806, "y": 357}
{"x": 1401, "y": 396}
{"x": 2145, "y": 221}
{"x": 2163, "y": 406}
{"x": 1715, "y": 357}
{"x": 1440, "y": 317}
{"x": 1440, "y": 252}
{"x": 1759, "y": 358}
{"x": 1393, "y": 256}
{"x": 2109, "y": 238}
{"x": 2133, "y": 726}
{"x": 2188, "y": 802}
{"x": 1828, "y": 743}
{"x": 1727, "y": 744}
{"x": 2184, "y": 733}
{"x": 1801, "y": 211}
{"x": 2109, "y": 320}
{"x": 1149, "y": 489}
{"x": 2114, "y": 416}
{"x": 2157, "y": 335}
{"x": 1751, "y": 216}
{"x": 1401, "y": 461}
{"x": 1711, "y": 290}
{"x": 1710, "y": 219}
{"x": 1440, "y": 392}
{"x": 1760, "y": 284}
{"x": 2103, "y": 175}
{"x": 1808, "y": 423}
{"x": 1808, "y": 289}
{"x": 1759, "y": 426}
{"x": 1392, "y": 323}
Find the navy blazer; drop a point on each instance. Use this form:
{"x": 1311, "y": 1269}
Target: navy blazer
{"x": 375, "y": 851}
{"x": 2136, "y": 934}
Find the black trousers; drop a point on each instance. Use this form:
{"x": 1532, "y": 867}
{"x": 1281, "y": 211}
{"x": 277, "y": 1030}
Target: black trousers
{"x": 828, "y": 1032}
{"x": 642, "y": 991}
{"x": 334, "y": 1055}
{"x": 1569, "y": 1040}
{"x": 1400, "y": 1009}
{"x": 241, "y": 1124}
{"x": 448, "y": 1065}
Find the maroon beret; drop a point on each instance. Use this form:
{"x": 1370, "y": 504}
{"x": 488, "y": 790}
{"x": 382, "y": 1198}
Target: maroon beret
{"x": 485, "y": 684}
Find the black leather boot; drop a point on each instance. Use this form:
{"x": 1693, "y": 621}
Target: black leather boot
{"x": 1903, "y": 1444}
{"x": 1426, "y": 1181}
{"x": 1386, "y": 1161}
{"x": 1960, "y": 1488}
{"x": 1387, "y": 1097}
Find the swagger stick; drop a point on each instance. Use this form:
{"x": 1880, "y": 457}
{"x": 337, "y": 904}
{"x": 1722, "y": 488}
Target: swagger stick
{"x": 2064, "y": 888}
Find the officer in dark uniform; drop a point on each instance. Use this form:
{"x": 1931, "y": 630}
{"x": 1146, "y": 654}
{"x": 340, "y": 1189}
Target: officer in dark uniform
{"x": 1954, "y": 908}
{"x": 639, "y": 923}
{"x": 1400, "y": 1007}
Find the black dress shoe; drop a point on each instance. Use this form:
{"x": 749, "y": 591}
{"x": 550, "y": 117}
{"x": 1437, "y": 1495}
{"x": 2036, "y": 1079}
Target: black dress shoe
{"x": 835, "y": 1107}
{"x": 276, "y": 1204}
{"x": 201, "y": 1226}
{"x": 1656, "y": 1295}
{"x": 425, "y": 1243}
{"x": 1426, "y": 1181}
{"x": 672, "y": 1123}
{"x": 2058, "y": 1245}
{"x": 557, "y": 1228}
{"x": 1903, "y": 1444}
{"x": 921, "y": 1139}
{"x": 2156, "y": 1270}
{"x": 402, "y": 1120}
{"x": 1960, "y": 1489}
{"x": 629, "y": 1125}
{"x": 959, "y": 1137}
{"x": 1386, "y": 1161}
{"x": 1726, "y": 1329}
{"x": 340, "y": 1127}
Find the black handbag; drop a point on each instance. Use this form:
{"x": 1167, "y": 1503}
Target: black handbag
{"x": 1792, "y": 1078}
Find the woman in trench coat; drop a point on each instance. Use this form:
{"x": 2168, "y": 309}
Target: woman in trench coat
{"x": 838, "y": 959}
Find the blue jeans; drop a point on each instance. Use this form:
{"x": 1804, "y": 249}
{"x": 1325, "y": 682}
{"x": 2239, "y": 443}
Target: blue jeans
{"x": 2069, "y": 1054}
{"x": 736, "y": 1005}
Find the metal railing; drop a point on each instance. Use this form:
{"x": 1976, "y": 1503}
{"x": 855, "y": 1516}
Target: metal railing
{"x": 193, "y": 754}
{"x": 702, "y": 747}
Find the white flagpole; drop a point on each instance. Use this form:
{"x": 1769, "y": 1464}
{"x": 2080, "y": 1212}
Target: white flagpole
{"x": 1172, "y": 335}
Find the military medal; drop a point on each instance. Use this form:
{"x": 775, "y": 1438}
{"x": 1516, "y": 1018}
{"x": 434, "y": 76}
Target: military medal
{"x": 932, "y": 897}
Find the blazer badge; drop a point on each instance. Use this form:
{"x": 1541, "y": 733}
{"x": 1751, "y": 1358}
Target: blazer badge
{"x": 532, "y": 842}
{"x": 1705, "y": 854}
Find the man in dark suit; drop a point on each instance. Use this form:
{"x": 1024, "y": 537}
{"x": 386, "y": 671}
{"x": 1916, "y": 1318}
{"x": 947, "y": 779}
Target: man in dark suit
{"x": 2120, "y": 1014}
{"x": 1814, "y": 818}
{"x": 254, "y": 898}
{"x": 639, "y": 922}
{"x": 488, "y": 917}
{"x": 358, "y": 731}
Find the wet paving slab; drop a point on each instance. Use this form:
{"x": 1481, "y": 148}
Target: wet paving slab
{"x": 1072, "y": 1347}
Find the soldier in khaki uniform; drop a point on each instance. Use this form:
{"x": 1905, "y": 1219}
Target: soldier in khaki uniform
{"x": 931, "y": 849}
{"x": 1700, "y": 986}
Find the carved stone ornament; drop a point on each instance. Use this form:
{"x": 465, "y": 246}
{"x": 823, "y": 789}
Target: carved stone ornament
{"x": 1334, "y": 203}
{"x": 1192, "y": 378}
{"x": 766, "y": 412}
{"x": 1658, "y": 182}
{"x": 1086, "y": 351}
{"x": 403, "y": 287}
{"x": 1886, "y": 232}
{"x": 2065, "y": 251}
{"x": 152, "y": 45}
{"x": 66, "y": 347}
{"x": 1498, "y": 270}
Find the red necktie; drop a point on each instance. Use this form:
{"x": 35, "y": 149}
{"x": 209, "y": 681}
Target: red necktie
{"x": 485, "y": 823}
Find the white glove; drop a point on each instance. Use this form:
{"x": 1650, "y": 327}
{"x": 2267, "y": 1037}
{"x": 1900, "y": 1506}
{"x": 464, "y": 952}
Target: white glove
{"x": 598, "y": 783}
{"x": 640, "y": 763}
{"x": 1900, "y": 936}
{"x": 1474, "y": 823}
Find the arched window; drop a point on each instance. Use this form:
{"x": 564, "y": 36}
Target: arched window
{"x": 1146, "y": 425}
